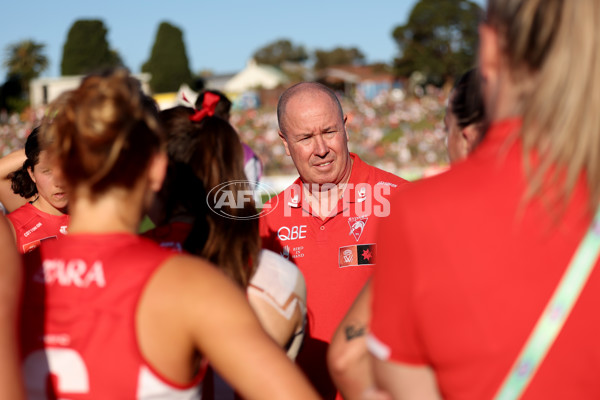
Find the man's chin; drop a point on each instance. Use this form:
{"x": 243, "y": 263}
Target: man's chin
{"x": 323, "y": 183}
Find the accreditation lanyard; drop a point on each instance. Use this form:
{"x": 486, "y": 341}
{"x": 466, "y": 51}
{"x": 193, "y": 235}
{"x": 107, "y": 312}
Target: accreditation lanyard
{"x": 554, "y": 316}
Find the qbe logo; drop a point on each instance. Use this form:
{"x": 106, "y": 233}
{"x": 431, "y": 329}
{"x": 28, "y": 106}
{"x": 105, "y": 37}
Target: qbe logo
{"x": 242, "y": 199}
{"x": 292, "y": 233}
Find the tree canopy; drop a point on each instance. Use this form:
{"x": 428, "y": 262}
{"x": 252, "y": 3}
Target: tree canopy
{"x": 279, "y": 51}
{"x": 168, "y": 61}
{"x": 439, "y": 39}
{"x": 25, "y": 61}
{"x": 87, "y": 50}
{"x": 338, "y": 56}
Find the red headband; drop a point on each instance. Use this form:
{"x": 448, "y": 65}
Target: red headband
{"x": 208, "y": 107}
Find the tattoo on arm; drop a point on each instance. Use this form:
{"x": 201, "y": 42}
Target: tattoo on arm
{"x": 353, "y": 332}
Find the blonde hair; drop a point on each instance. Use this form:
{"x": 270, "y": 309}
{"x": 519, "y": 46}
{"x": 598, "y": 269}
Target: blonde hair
{"x": 552, "y": 47}
{"x": 104, "y": 133}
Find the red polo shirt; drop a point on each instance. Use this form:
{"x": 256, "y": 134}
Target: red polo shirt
{"x": 336, "y": 255}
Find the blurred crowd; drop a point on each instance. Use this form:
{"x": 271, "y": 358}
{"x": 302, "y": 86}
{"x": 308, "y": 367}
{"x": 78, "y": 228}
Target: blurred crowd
{"x": 14, "y": 128}
{"x": 402, "y": 135}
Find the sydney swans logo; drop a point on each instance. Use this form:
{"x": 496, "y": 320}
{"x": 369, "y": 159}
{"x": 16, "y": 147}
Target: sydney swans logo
{"x": 234, "y": 199}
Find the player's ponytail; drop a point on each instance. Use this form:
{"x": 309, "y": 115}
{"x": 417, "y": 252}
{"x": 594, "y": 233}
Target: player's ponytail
{"x": 106, "y": 132}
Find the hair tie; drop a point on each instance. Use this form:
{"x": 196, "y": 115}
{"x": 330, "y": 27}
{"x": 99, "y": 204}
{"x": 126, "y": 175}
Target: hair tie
{"x": 208, "y": 107}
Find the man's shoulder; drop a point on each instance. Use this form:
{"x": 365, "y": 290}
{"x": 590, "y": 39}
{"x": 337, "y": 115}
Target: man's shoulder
{"x": 387, "y": 178}
{"x": 377, "y": 176}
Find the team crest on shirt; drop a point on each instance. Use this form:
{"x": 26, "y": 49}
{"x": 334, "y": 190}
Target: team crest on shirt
{"x": 357, "y": 226}
{"x": 63, "y": 229}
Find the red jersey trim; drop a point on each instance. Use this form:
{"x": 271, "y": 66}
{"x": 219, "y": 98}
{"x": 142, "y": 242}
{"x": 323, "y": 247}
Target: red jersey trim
{"x": 197, "y": 379}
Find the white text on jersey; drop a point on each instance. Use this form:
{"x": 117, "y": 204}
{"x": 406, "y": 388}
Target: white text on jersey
{"x": 71, "y": 273}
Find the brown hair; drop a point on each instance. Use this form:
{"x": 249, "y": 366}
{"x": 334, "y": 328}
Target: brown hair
{"x": 466, "y": 102}
{"x": 554, "y": 53}
{"x": 214, "y": 152}
{"x": 20, "y": 181}
{"x": 105, "y": 132}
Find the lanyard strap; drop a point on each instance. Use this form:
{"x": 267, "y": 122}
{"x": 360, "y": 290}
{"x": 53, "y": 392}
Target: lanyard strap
{"x": 554, "y": 316}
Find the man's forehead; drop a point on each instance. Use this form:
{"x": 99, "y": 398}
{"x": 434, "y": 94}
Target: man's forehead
{"x": 310, "y": 102}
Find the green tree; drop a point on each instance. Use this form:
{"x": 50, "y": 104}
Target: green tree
{"x": 338, "y": 56}
{"x": 168, "y": 61}
{"x": 439, "y": 39}
{"x": 87, "y": 50}
{"x": 25, "y": 61}
{"x": 280, "y": 51}
{"x": 11, "y": 95}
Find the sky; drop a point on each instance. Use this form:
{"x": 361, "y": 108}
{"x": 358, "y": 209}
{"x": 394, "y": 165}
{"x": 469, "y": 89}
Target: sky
{"x": 219, "y": 36}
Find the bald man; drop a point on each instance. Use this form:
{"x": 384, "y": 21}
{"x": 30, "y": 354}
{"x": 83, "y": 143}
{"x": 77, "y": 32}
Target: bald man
{"x": 325, "y": 221}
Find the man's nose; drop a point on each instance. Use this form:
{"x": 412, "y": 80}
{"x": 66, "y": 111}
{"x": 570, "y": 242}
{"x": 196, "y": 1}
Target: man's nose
{"x": 321, "y": 148}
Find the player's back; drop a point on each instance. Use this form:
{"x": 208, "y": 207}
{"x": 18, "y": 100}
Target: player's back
{"x": 79, "y": 332}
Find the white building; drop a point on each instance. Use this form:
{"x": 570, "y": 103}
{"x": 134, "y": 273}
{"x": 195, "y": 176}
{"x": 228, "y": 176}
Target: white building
{"x": 42, "y": 91}
{"x": 255, "y": 76}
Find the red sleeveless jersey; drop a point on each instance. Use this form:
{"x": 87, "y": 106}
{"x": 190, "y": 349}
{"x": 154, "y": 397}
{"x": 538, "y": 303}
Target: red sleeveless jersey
{"x": 33, "y": 226}
{"x": 78, "y": 324}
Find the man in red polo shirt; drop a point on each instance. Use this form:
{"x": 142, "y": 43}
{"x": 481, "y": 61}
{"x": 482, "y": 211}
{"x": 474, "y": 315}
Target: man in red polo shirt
{"x": 325, "y": 221}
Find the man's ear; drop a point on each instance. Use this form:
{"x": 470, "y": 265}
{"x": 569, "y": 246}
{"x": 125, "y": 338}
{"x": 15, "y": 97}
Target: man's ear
{"x": 345, "y": 129}
{"x": 285, "y": 143}
{"x": 157, "y": 170}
